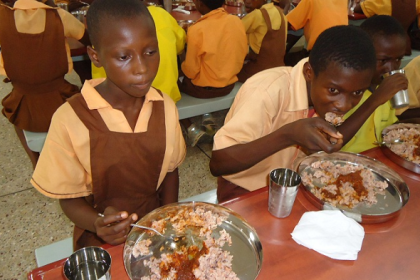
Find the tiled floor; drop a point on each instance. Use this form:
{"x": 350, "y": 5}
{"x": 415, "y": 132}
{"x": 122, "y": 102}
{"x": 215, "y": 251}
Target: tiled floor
{"x": 30, "y": 220}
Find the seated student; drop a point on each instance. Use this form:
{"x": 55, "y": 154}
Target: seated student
{"x": 388, "y": 38}
{"x": 270, "y": 124}
{"x": 412, "y": 72}
{"x": 171, "y": 38}
{"x": 315, "y": 16}
{"x": 406, "y": 12}
{"x": 35, "y": 57}
{"x": 216, "y": 49}
{"x": 266, "y": 29}
{"x": 116, "y": 147}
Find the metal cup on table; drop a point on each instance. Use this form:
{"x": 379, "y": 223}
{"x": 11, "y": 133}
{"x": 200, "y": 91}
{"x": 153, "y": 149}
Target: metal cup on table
{"x": 400, "y": 99}
{"x": 283, "y": 188}
{"x": 89, "y": 263}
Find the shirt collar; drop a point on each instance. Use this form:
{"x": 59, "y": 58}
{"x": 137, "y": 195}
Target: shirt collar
{"x": 214, "y": 12}
{"x": 298, "y": 89}
{"x": 29, "y": 5}
{"x": 95, "y": 101}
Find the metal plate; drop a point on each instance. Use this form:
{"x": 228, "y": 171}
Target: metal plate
{"x": 246, "y": 247}
{"x": 401, "y": 161}
{"x": 388, "y": 205}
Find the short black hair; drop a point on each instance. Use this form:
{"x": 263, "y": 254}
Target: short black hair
{"x": 383, "y": 25}
{"x": 345, "y": 45}
{"x": 102, "y": 11}
{"x": 213, "y": 4}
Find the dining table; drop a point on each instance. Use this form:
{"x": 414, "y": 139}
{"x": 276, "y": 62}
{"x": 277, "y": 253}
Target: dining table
{"x": 390, "y": 250}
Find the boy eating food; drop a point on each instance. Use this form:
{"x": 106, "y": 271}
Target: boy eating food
{"x": 270, "y": 124}
{"x": 113, "y": 151}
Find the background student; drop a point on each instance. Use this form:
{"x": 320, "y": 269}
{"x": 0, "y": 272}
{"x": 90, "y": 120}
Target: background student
{"x": 269, "y": 124}
{"x": 115, "y": 148}
{"x": 412, "y": 72}
{"x": 388, "y": 37}
{"x": 216, "y": 49}
{"x": 35, "y": 57}
{"x": 266, "y": 29}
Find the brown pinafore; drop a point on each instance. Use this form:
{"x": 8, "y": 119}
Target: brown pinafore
{"x": 405, "y": 12}
{"x": 125, "y": 166}
{"x": 273, "y": 49}
{"x": 36, "y": 65}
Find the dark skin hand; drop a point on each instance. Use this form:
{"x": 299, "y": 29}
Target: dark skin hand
{"x": 243, "y": 156}
{"x": 410, "y": 114}
{"x": 115, "y": 225}
{"x": 388, "y": 88}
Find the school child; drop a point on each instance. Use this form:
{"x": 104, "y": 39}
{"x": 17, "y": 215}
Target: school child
{"x": 171, "y": 38}
{"x": 406, "y": 12}
{"x": 388, "y": 38}
{"x": 216, "y": 49}
{"x": 315, "y": 16}
{"x": 114, "y": 149}
{"x": 35, "y": 57}
{"x": 266, "y": 29}
{"x": 412, "y": 72}
{"x": 269, "y": 124}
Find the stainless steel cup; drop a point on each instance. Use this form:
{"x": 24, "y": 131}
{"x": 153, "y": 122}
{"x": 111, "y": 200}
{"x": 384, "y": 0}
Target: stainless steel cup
{"x": 400, "y": 99}
{"x": 284, "y": 184}
{"x": 89, "y": 263}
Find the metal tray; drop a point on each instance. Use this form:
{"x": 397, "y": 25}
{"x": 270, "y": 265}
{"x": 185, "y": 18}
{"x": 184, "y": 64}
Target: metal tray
{"x": 246, "y": 247}
{"x": 388, "y": 205}
{"x": 393, "y": 156}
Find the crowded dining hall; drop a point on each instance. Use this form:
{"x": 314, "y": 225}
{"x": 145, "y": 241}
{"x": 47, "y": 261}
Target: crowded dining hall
{"x": 210, "y": 139}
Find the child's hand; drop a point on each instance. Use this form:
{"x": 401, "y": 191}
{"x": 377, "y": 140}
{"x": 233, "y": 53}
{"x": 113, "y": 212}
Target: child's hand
{"x": 389, "y": 87}
{"x": 315, "y": 134}
{"x": 114, "y": 226}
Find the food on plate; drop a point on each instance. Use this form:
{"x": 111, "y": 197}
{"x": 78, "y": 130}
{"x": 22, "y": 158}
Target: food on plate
{"x": 409, "y": 149}
{"x": 334, "y": 119}
{"x": 343, "y": 184}
{"x": 203, "y": 259}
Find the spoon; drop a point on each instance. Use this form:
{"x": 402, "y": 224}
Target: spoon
{"x": 174, "y": 237}
{"x": 396, "y": 141}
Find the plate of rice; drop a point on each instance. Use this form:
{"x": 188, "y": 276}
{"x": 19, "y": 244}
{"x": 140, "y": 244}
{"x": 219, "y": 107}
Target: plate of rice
{"x": 407, "y": 153}
{"x": 361, "y": 187}
{"x": 212, "y": 242}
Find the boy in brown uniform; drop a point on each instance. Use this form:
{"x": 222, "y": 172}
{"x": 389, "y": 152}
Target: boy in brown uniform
{"x": 116, "y": 147}
{"x": 35, "y": 57}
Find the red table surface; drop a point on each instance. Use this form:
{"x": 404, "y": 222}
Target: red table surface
{"x": 390, "y": 250}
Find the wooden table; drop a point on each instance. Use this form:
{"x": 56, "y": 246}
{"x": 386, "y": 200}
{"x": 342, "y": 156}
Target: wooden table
{"x": 390, "y": 250}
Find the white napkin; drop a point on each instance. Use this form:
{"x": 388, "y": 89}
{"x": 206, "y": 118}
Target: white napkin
{"x": 330, "y": 233}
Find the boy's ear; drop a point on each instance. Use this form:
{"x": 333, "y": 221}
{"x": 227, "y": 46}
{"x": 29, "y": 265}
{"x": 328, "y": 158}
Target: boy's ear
{"x": 308, "y": 72}
{"x": 93, "y": 55}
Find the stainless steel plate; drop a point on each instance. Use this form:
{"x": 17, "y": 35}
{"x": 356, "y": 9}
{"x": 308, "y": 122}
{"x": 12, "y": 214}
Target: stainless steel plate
{"x": 395, "y": 157}
{"x": 246, "y": 247}
{"x": 388, "y": 205}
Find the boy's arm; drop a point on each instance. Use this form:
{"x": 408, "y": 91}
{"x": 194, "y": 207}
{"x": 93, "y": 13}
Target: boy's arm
{"x": 168, "y": 191}
{"x": 112, "y": 227}
{"x": 313, "y": 134}
{"x": 386, "y": 90}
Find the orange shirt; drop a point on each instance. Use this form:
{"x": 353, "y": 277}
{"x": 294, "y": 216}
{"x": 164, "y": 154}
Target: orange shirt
{"x": 315, "y": 16}
{"x": 266, "y": 101}
{"x": 64, "y": 171}
{"x": 30, "y": 19}
{"x": 381, "y": 7}
{"x": 216, "y": 49}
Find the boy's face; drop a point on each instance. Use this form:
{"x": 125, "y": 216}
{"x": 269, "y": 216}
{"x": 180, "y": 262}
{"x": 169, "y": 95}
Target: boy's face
{"x": 389, "y": 52}
{"x": 128, "y": 51}
{"x": 337, "y": 89}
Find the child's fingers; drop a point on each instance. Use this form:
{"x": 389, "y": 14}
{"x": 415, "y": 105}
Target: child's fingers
{"x": 113, "y": 218}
